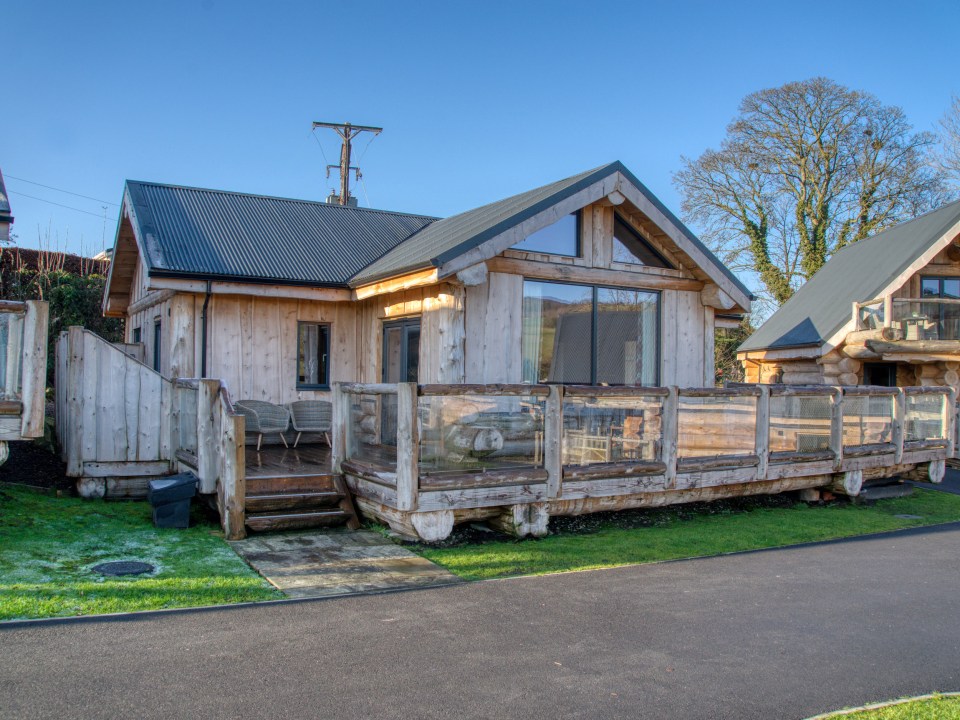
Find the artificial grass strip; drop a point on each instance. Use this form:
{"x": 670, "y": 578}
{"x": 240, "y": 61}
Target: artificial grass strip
{"x": 682, "y": 533}
{"x": 49, "y": 544}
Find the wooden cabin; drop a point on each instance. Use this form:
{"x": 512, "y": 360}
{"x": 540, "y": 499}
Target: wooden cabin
{"x": 884, "y": 311}
{"x": 281, "y": 298}
{"x": 542, "y": 355}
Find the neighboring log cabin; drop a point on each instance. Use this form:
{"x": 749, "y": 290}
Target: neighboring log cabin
{"x": 588, "y": 280}
{"x": 884, "y": 311}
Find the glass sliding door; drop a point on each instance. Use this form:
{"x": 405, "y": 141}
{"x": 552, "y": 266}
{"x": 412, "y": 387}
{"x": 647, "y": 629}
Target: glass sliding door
{"x": 401, "y": 363}
{"x": 626, "y": 337}
{"x": 584, "y": 334}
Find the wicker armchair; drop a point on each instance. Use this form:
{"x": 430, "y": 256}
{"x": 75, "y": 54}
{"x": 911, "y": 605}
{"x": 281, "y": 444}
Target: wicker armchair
{"x": 311, "y": 416}
{"x": 264, "y": 417}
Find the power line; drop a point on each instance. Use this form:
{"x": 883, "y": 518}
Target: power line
{"x": 68, "y": 192}
{"x": 87, "y": 212}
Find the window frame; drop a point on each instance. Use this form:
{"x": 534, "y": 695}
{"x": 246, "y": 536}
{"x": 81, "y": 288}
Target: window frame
{"x": 326, "y": 368}
{"x": 642, "y": 239}
{"x": 578, "y": 239}
{"x": 594, "y": 328}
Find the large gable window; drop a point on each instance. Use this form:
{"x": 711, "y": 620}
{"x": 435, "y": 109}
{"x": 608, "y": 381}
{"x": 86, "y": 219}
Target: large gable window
{"x": 631, "y": 247}
{"x": 313, "y": 356}
{"x": 588, "y": 334}
{"x": 560, "y": 238}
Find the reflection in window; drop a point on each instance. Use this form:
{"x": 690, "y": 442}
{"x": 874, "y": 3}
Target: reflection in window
{"x": 313, "y": 352}
{"x": 560, "y": 238}
{"x": 629, "y": 246}
{"x": 586, "y": 334}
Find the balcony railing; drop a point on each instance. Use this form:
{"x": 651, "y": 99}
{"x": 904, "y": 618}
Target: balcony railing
{"x": 930, "y": 318}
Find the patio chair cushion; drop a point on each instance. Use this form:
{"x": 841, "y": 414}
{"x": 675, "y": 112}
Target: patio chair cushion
{"x": 311, "y": 415}
{"x": 264, "y": 417}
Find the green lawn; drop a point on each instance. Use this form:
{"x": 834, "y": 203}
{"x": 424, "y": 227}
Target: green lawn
{"x": 937, "y": 707}
{"x": 48, "y": 545}
{"x": 626, "y": 538}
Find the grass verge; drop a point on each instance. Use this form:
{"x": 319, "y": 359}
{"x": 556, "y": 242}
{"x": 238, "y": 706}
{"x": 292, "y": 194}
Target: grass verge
{"x": 937, "y": 707}
{"x": 704, "y": 529}
{"x": 49, "y": 544}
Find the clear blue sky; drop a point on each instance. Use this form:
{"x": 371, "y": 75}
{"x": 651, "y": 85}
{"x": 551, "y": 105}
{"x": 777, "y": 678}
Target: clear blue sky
{"x": 478, "y": 101}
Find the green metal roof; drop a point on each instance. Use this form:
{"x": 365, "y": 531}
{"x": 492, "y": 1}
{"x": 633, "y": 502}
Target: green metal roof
{"x": 858, "y": 272}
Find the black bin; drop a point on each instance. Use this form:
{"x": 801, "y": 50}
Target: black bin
{"x": 170, "y": 499}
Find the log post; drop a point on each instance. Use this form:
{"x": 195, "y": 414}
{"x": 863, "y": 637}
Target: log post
{"x": 207, "y": 446}
{"x": 408, "y": 447}
{"x": 553, "y": 441}
{"x": 949, "y": 415}
{"x": 33, "y": 383}
{"x": 887, "y": 310}
{"x": 73, "y": 432}
{"x": 836, "y": 427}
{"x": 899, "y": 411}
{"x": 340, "y": 421}
{"x": 762, "y": 443}
{"x": 670, "y": 429}
{"x": 232, "y": 488}
{"x": 937, "y": 470}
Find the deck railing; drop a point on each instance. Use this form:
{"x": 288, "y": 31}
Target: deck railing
{"x": 460, "y": 446}
{"x": 208, "y": 438}
{"x": 929, "y": 318}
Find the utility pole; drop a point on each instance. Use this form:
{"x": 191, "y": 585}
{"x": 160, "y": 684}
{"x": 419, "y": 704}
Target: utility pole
{"x": 347, "y": 132}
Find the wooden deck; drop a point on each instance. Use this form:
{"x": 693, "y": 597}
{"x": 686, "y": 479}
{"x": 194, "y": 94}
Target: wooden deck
{"x": 277, "y": 461}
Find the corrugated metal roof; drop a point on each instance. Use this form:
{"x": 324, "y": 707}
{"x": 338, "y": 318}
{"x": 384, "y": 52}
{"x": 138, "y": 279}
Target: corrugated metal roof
{"x": 211, "y": 233}
{"x": 859, "y": 272}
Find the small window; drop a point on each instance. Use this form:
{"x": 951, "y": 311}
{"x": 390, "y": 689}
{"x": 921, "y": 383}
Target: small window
{"x": 136, "y": 335}
{"x": 313, "y": 355}
{"x": 157, "y": 334}
{"x": 629, "y": 246}
{"x": 560, "y": 238}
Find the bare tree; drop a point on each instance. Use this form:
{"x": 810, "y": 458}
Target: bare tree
{"x": 948, "y": 158}
{"x": 805, "y": 169}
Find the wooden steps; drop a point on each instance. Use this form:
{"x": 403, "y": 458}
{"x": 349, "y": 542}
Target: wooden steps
{"x": 298, "y": 501}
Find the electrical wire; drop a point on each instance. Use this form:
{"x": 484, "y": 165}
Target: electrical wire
{"x": 313, "y": 132}
{"x": 68, "y": 192}
{"x": 51, "y": 202}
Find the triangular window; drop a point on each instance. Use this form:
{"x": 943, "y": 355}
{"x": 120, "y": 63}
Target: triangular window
{"x": 629, "y": 246}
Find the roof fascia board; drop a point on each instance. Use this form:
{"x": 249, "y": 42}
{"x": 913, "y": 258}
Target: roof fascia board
{"x": 126, "y": 211}
{"x": 920, "y": 262}
{"x": 218, "y": 287}
{"x": 510, "y": 236}
{"x": 403, "y": 282}
{"x": 707, "y": 264}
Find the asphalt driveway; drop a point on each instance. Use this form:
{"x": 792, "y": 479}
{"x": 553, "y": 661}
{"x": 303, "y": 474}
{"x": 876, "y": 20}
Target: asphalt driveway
{"x": 777, "y": 634}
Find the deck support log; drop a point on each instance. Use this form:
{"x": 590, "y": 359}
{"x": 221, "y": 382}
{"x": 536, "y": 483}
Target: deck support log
{"x": 530, "y": 519}
{"x": 848, "y": 483}
{"x": 932, "y": 472}
{"x": 432, "y": 526}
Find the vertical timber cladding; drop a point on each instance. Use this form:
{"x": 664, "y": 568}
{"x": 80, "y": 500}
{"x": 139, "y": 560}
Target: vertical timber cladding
{"x": 252, "y": 344}
{"x": 441, "y": 311}
{"x": 493, "y": 326}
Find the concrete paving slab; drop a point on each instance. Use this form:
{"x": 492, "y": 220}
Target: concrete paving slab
{"x": 324, "y": 563}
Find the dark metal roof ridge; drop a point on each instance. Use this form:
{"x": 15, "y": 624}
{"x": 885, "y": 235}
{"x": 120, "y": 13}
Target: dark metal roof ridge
{"x": 282, "y": 199}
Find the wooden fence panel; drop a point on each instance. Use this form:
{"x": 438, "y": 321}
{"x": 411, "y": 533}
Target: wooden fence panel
{"x": 110, "y": 406}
